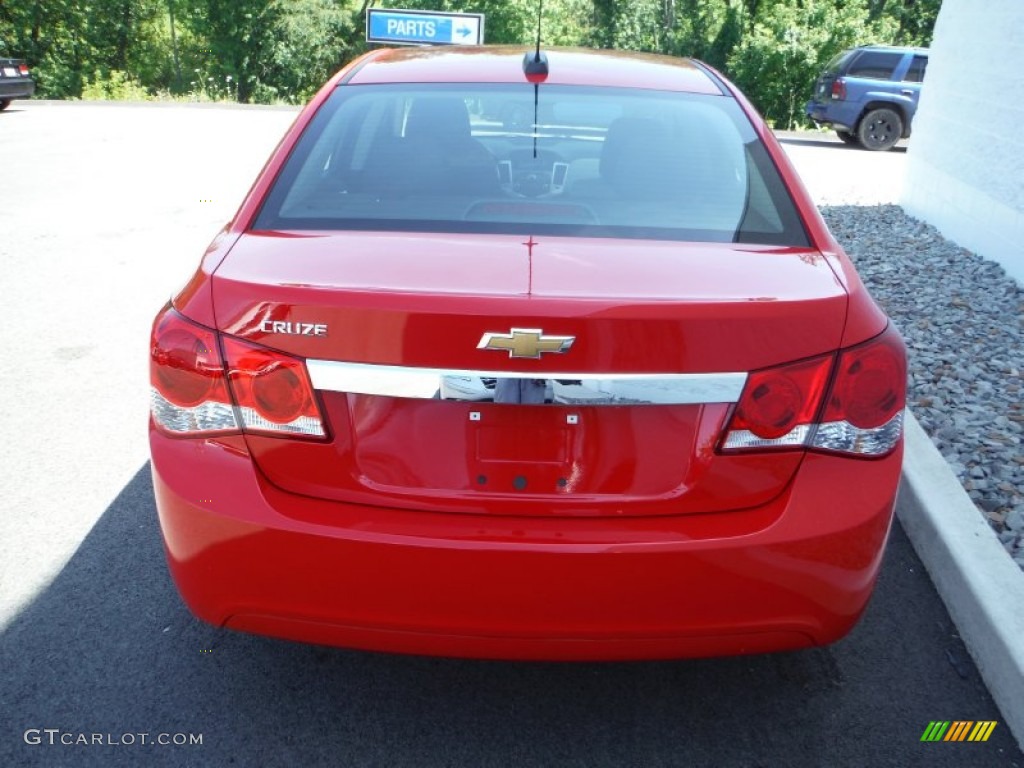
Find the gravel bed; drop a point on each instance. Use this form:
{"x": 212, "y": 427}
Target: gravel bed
{"x": 963, "y": 320}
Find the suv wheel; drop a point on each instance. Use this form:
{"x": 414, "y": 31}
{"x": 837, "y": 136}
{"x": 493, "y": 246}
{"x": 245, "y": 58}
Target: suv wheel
{"x": 847, "y": 137}
{"x": 4, "y": 104}
{"x": 880, "y": 129}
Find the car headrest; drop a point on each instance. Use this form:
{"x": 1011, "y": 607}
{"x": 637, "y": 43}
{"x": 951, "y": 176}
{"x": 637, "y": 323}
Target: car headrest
{"x": 640, "y": 155}
{"x": 440, "y": 119}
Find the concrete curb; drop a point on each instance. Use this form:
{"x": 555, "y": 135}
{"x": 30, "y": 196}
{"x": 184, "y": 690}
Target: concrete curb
{"x": 982, "y": 588}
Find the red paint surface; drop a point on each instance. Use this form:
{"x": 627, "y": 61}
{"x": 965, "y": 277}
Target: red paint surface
{"x": 795, "y": 571}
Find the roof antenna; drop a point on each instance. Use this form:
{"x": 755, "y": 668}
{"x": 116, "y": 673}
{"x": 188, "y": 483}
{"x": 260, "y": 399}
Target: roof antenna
{"x": 535, "y": 67}
{"x": 540, "y": 17}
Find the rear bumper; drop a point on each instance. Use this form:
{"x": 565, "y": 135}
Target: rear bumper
{"x": 838, "y": 114}
{"x": 794, "y": 573}
{"x": 16, "y": 88}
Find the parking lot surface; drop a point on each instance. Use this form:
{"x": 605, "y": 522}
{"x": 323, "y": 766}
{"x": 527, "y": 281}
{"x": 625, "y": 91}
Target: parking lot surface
{"x": 107, "y": 210}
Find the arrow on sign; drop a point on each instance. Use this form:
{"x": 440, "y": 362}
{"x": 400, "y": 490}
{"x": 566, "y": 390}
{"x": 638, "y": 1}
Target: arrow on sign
{"x": 463, "y": 31}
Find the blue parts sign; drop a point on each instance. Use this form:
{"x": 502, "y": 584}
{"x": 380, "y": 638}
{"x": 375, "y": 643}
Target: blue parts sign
{"x": 423, "y": 27}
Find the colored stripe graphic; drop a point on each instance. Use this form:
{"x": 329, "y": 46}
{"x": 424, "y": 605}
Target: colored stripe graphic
{"x": 959, "y": 730}
{"x": 982, "y": 730}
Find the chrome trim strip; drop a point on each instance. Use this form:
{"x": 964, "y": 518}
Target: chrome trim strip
{"x": 561, "y": 388}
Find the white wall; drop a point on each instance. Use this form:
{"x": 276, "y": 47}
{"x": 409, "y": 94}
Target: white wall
{"x": 965, "y": 162}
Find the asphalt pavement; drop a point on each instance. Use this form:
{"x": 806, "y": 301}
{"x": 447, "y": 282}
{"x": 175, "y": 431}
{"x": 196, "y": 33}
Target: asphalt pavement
{"x": 105, "y": 211}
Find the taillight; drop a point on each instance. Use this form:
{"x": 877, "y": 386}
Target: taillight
{"x": 188, "y": 389}
{"x": 862, "y": 412}
{"x": 838, "y": 89}
{"x": 191, "y": 388}
{"x": 273, "y": 390}
{"x": 23, "y": 69}
{"x": 778, "y": 406}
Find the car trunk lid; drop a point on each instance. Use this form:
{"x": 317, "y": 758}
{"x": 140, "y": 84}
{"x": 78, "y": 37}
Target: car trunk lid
{"x": 413, "y": 305}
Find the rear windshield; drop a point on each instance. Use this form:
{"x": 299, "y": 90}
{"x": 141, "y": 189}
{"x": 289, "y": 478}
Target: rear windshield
{"x": 836, "y": 62}
{"x": 593, "y": 162}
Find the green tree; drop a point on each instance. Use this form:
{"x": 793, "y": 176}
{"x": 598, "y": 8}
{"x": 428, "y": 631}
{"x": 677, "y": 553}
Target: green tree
{"x": 313, "y": 39}
{"x": 914, "y": 19}
{"x": 239, "y": 41}
{"x": 632, "y": 25}
{"x": 125, "y": 43}
{"x": 704, "y": 29}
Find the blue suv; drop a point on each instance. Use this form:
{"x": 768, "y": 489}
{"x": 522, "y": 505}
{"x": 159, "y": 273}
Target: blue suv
{"x": 869, "y": 94}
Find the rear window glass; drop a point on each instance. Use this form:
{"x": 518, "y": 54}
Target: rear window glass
{"x": 917, "y": 67}
{"x": 875, "y": 65}
{"x": 837, "y": 61}
{"x": 594, "y": 162}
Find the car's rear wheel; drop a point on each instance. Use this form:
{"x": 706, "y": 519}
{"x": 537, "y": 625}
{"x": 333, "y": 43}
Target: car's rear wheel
{"x": 4, "y": 104}
{"x": 880, "y": 129}
{"x": 847, "y": 137}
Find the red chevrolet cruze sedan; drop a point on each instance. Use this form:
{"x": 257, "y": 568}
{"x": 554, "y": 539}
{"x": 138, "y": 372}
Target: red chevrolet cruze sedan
{"x": 542, "y": 357}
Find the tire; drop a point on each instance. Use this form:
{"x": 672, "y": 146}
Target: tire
{"x": 847, "y": 137}
{"x": 4, "y": 104}
{"x": 880, "y": 129}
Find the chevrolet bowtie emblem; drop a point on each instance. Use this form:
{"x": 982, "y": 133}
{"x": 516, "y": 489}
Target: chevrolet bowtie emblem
{"x": 525, "y": 342}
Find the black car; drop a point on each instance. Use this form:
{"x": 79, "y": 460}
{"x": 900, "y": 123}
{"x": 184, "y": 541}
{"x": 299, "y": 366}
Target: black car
{"x": 15, "y": 81}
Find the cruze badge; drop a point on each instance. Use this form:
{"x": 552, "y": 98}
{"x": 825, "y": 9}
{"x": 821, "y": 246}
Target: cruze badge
{"x": 293, "y": 329}
{"x": 528, "y": 343}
